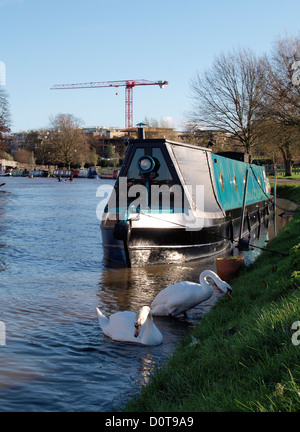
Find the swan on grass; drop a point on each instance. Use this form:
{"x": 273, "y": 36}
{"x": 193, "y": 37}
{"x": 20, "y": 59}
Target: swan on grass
{"x": 178, "y": 298}
{"x": 129, "y": 326}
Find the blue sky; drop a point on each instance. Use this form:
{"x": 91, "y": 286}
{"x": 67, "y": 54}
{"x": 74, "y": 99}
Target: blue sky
{"x": 47, "y": 42}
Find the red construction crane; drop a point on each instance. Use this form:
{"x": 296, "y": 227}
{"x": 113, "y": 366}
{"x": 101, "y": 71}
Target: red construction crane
{"x": 128, "y": 92}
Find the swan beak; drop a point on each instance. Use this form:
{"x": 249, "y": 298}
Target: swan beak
{"x": 229, "y": 294}
{"x": 137, "y": 330}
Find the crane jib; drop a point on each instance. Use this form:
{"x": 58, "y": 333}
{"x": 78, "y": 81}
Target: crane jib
{"x": 129, "y": 84}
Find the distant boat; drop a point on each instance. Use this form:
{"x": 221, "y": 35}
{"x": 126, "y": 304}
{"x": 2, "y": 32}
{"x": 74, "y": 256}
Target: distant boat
{"x": 83, "y": 173}
{"x": 175, "y": 202}
{"x": 92, "y": 172}
{"x": 62, "y": 173}
{"x": 17, "y": 173}
{"x": 109, "y": 174}
{"x": 38, "y": 173}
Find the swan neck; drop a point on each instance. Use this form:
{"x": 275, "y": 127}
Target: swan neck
{"x": 149, "y": 320}
{"x": 206, "y": 274}
{"x": 148, "y": 324}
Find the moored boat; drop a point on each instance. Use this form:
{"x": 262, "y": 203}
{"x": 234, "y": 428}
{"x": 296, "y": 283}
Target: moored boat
{"x": 62, "y": 173}
{"x": 5, "y": 173}
{"x": 175, "y": 202}
{"x": 83, "y": 173}
{"x": 39, "y": 173}
{"x": 92, "y": 172}
{"x": 109, "y": 174}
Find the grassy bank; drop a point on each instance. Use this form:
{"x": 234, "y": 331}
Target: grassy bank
{"x": 282, "y": 176}
{"x": 241, "y": 357}
{"x": 290, "y": 191}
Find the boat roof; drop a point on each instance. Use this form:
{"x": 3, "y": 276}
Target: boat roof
{"x": 151, "y": 141}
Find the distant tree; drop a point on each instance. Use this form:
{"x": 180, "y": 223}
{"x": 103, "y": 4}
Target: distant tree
{"x": 5, "y": 119}
{"x": 163, "y": 128}
{"x": 68, "y": 144}
{"x": 279, "y": 111}
{"x": 112, "y": 156}
{"x": 279, "y": 142}
{"x": 42, "y": 150}
{"x": 93, "y": 157}
{"x": 36, "y": 143}
{"x": 32, "y": 140}
{"x": 31, "y": 159}
{"x": 25, "y": 156}
{"x": 281, "y": 100}
{"x": 7, "y": 156}
{"x": 226, "y": 96}
{"x": 151, "y": 122}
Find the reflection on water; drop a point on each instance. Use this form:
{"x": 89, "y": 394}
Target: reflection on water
{"x": 52, "y": 278}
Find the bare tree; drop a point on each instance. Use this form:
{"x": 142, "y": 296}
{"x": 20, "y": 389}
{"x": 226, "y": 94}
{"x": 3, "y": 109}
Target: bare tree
{"x": 226, "y": 96}
{"x": 281, "y": 100}
{"x": 38, "y": 143}
{"x": 163, "y": 128}
{"x": 278, "y": 142}
{"x": 68, "y": 144}
{"x": 279, "y": 111}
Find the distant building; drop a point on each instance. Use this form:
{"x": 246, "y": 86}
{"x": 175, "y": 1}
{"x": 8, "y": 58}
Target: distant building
{"x": 101, "y": 138}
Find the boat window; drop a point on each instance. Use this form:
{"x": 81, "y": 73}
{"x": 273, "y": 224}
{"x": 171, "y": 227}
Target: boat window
{"x": 235, "y": 183}
{"x": 163, "y": 173}
{"x": 222, "y": 182}
{"x": 133, "y": 170}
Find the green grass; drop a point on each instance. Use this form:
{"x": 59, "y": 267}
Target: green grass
{"x": 290, "y": 191}
{"x": 282, "y": 176}
{"x": 240, "y": 357}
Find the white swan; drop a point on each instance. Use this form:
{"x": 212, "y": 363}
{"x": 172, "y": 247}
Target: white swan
{"x": 180, "y": 297}
{"x": 131, "y": 327}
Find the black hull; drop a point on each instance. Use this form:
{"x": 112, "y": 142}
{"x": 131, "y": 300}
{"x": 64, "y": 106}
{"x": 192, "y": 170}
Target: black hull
{"x": 148, "y": 246}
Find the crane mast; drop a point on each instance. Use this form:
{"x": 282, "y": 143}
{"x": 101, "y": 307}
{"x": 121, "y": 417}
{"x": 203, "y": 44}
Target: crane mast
{"x": 129, "y": 85}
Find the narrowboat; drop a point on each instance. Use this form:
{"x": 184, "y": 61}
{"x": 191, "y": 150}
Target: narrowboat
{"x": 62, "y": 173}
{"x": 92, "y": 173}
{"x": 175, "y": 202}
{"x": 109, "y": 174}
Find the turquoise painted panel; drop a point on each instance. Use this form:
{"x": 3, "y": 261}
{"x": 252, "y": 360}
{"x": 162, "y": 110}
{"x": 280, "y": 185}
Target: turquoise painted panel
{"x": 230, "y": 178}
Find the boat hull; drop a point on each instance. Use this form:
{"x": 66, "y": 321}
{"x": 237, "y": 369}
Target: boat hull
{"x": 149, "y": 246}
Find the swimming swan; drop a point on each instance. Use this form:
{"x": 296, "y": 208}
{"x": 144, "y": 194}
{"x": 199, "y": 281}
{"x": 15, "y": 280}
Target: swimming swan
{"x": 180, "y": 297}
{"x": 131, "y": 327}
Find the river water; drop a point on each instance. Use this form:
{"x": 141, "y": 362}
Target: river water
{"x": 53, "y": 354}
